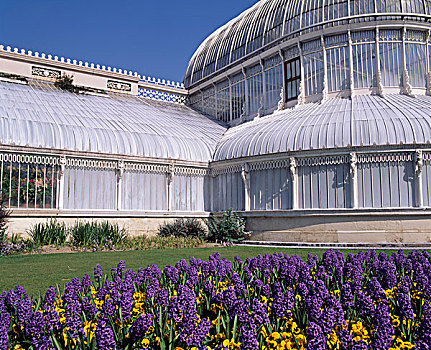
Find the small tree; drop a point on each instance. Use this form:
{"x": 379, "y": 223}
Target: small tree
{"x": 4, "y": 215}
{"x": 231, "y": 228}
{"x": 66, "y": 83}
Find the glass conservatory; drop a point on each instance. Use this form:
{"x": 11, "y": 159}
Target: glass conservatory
{"x": 311, "y": 118}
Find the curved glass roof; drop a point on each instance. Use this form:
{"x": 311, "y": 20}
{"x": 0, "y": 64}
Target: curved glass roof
{"x": 358, "y": 122}
{"x": 270, "y": 20}
{"x": 40, "y": 115}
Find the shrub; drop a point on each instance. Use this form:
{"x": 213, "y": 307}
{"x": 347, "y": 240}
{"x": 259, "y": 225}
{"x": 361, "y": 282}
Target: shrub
{"x": 182, "y": 228}
{"x": 231, "y": 228}
{"x": 66, "y": 83}
{"x": 4, "y": 215}
{"x": 96, "y": 234}
{"x": 49, "y": 233}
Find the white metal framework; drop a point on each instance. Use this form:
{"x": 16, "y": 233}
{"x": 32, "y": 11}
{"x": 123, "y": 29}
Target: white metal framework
{"x": 339, "y": 48}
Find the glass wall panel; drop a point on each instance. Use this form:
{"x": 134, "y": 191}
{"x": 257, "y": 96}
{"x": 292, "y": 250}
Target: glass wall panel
{"x": 338, "y": 68}
{"x": 143, "y": 191}
{"x": 196, "y": 101}
{"x": 209, "y": 102}
{"x": 388, "y": 6}
{"x": 223, "y": 101}
{"x": 391, "y": 64}
{"x": 89, "y": 188}
{"x": 28, "y": 185}
{"x": 416, "y": 64}
{"x": 359, "y": 7}
{"x": 255, "y": 89}
{"x": 312, "y": 12}
{"x": 324, "y": 186}
{"x": 313, "y": 71}
{"x": 238, "y": 96}
{"x": 274, "y": 84}
{"x": 336, "y": 9}
{"x": 364, "y": 65}
{"x": 386, "y": 184}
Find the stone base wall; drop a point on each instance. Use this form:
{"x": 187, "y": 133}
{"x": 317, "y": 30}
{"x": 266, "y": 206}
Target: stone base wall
{"x": 350, "y": 226}
{"x": 137, "y": 224}
{"x": 312, "y": 226}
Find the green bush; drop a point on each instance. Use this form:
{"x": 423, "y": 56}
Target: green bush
{"x": 97, "y": 234}
{"x": 230, "y": 228}
{"x": 182, "y": 228}
{"x": 49, "y": 233}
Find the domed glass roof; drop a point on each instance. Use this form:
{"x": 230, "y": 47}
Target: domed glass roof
{"x": 40, "y": 115}
{"x": 269, "y": 21}
{"x": 362, "y": 121}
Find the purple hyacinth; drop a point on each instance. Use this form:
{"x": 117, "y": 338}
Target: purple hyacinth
{"x": 86, "y": 282}
{"x": 98, "y": 273}
{"x": 49, "y": 299}
{"x": 359, "y": 345}
{"x": 172, "y": 274}
{"x": 104, "y": 336}
{"x": 248, "y": 339}
{"x": 193, "y": 331}
{"x": 315, "y": 337}
{"x": 345, "y": 339}
{"x": 4, "y": 328}
{"x": 140, "y": 326}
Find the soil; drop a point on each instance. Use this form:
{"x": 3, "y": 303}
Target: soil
{"x": 69, "y": 250}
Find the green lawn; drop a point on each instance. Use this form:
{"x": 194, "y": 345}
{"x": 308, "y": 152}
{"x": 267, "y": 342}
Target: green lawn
{"x": 37, "y": 272}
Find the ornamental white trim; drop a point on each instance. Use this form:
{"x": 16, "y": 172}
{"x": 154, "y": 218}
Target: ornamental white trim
{"x": 92, "y": 163}
{"x": 74, "y": 62}
{"x": 276, "y": 164}
{"x": 188, "y": 171}
{"x": 237, "y": 168}
{"x": 317, "y": 161}
{"x": 29, "y": 159}
{"x": 161, "y": 96}
{"x": 385, "y": 157}
{"x": 146, "y": 168}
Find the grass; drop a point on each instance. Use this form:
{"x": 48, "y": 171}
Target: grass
{"x": 37, "y": 272}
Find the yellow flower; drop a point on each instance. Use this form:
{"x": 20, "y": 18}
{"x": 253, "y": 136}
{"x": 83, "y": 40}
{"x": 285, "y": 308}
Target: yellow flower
{"x": 274, "y": 336}
{"x": 145, "y": 343}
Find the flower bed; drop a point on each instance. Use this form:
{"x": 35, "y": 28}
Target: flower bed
{"x": 363, "y": 301}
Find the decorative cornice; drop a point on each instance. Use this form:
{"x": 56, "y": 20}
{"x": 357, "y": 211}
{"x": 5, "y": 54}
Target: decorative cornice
{"x": 77, "y": 64}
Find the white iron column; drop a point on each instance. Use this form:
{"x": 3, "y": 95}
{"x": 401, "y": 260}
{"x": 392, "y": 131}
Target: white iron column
{"x": 293, "y": 168}
{"x": 120, "y": 174}
{"x": 354, "y": 180}
{"x": 61, "y": 189}
{"x": 407, "y": 88}
{"x": 246, "y": 102}
{"x": 281, "y": 103}
{"x": 419, "y": 164}
{"x": 169, "y": 181}
{"x": 427, "y": 64}
{"x": 378, "y": 68}
{"x": 230, "y": 98}
{"x": 261, "y": 110}
{"x": 352, "y": 78}
{"x": 245, "y": 175}
{"x": 325, "y": 71}
{"x": 301, "y": 97}
{"x": 215, "y": 100}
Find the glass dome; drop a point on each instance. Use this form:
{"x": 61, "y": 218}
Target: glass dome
{"x": 269, "y": 22}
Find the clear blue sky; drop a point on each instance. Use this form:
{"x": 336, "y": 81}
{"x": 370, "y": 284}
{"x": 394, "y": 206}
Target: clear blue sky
{"x": 155, "y": 38}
